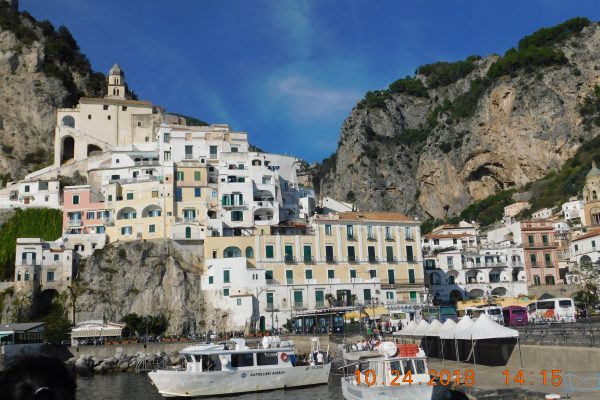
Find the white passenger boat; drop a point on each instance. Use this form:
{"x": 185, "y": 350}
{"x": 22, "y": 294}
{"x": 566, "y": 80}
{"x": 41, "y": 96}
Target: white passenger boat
{"x": 389, "y": 374}
{"x": 223, "y": 369}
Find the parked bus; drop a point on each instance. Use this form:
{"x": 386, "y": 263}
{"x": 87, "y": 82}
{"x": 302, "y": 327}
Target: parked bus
{"x": 552, "y": 310}
{"x": 494, "y": 312}
{"x": 515, "y": 315}
{"x": 439, "y": 312}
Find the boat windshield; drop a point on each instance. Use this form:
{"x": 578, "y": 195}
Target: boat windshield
{"x": 404, "y": 366}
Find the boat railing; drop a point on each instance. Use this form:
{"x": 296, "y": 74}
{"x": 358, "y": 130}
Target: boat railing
{"x": 147, "y": 365}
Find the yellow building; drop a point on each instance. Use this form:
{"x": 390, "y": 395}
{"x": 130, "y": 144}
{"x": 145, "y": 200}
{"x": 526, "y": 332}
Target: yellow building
{"x": 341, "y": 260}
{"x": 191, "y": 201}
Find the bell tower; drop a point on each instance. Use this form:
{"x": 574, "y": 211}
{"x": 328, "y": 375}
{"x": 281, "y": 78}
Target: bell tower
{"x": 591, "y": 197}
{"x": 116, "y": 83}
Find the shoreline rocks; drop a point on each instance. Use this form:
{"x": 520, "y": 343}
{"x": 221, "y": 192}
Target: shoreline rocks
{"x": 87, "y": 365}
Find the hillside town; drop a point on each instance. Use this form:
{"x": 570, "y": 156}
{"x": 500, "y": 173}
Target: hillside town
{"x": 269, "y": 250}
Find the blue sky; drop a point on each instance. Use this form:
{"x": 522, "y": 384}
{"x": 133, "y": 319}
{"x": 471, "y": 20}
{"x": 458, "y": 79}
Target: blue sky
{"x": 288, "y": 72}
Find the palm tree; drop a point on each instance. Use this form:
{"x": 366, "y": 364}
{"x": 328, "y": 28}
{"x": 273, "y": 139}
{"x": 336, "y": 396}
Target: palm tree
{"x": 330, "y": 298}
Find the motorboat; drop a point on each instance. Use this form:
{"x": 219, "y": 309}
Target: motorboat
{"x": 398, "y": 372}
{"x": 233, "y": 368}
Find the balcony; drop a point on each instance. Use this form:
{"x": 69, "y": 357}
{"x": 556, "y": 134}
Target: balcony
{"x": 289, "y": 259}
{"x": 75, "y": 222}
{"x": 538, "y": 245}
{"x": 389, "y": 238}
{"x": 310, "y": 281}
{"x": 372, "y": 260}
{"x": 272, "y": 282}
{"x": 350, "y": 238}
{"x": 391, "y": 260}
{"x": 290, "y": 281}
{"x": 333, "y": 280}
{"x": 330, "y": 260}
{"x": 227, "y": 205}
{"x": 299, "y": 305}
{"x": 320, "y": 304}
{"x": 271, "y": 307}
{"x": 308, "y": 260}
{"x": 188, "y": 157}
{"x": 352, "y": 260}
{"x": 372, "y": 238}
{"x": 28, "y": 261}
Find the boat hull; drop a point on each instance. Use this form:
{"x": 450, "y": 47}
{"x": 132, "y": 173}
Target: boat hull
{"x": 197, "y": 384}
{"x": 404, "y": 392}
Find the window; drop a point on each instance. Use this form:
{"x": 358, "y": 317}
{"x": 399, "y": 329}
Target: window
{"x": 26, "y": 188}
{"x": 196, "y": 175}
{"x": 388, "y": 233}
{"x": 413, "y": 296}
{"x": 530, "y": 239}
{"x": 389, "y": 295}
{"x": 266, "y": 359}
{"x": 166, "y": 137}
{"x": 232, "y": 251}
{"x": 409, "y": 254}
{"x": 50, "y": 276}
{"x": 237, "y": 216}
{"x": 533, "y": 260}
{"x": 372, "y": 273}
{"x": 367, "y": 294}
{"x": 75, "y": 199}
{"x": 352, "y": 274}
{"x": 213, "y": 151}
{"x": 90, "y": 215}
{"x": 330, "y": 274}
{"x": 124, "y": 108}
{"x": 307, "y": 253}
{"x": 211, "y": 280}
{"x": 239, "y": 302}
{"x": 370, "y": 234}
{"x": 56, "y": 257}
{"x": 450, "y": 262}
{"x": 152, "y": 228}
{"x": 350, "y": 232}
{"x": 371, "y": 252}
{"x": 180, "y": 175}
{"x": 391, "y": 277}
{"x": 226, "y": 276}
{"x": 289, "y": 253}
{"x": 329, "y": 254}
{"x": 308, "y": 274}
{"x": 411, "y": 276}
{"x": 249, "y": 252}
{"x": 126, "y": 230}
{"x": 26, "y": 276}
{"x": 328, "y": 230}
{"x": 289, "y": 276}
{"x": 167, "y": 156}
{"x": 189, "y": 150}
{"x": 389, "y": 252}
{"x": 536, "y": 280}
{"x": 226, "y": 292}
{"x": 548, "y": 259}
{"x": 298, "y": 298}
{"x": 269, "y": 251}
{"x": 178, "y": 194}
{"x": 545, "y": 239}
{"x": 436, "y": 242}
{"x": 576, "y": 247}
{"x": 408, "y": 233}
{"x": 197, "y": 192}
{"x": 593, "y": 244}
{"x": 351, "y": 254}
{"x": 110, "y": 197}
{"x": 269, "y": 275}
{"x": 130, "y": 196}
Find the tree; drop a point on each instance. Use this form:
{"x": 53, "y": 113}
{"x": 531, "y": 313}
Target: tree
{"x": 587, "y": 277}
{"x": 330, "y": 299}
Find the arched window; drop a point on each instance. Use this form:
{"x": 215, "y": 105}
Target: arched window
{"x": 594, "y": 195}
{"x": 69, "y": 121}
{"x": 595, "y": 216}
{"x": 249, "y": 252}
{"x": 232, "y": 251}
{"x": 188, "y": 232}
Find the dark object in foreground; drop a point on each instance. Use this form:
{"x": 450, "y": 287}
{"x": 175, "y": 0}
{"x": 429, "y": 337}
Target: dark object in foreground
{"x": 37, "y": 377}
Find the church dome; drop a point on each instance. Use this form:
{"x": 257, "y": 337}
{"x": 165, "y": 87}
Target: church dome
{"x": 116, "y": 70}
{"x": 594, "y": 171}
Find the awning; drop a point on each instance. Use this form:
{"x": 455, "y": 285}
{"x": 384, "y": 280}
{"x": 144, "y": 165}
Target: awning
{"x": 101, "y": 332}
{"x": 375, "y": 312}
{"x": 355, "y": 315}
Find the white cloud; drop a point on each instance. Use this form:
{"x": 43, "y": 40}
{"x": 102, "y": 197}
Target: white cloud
{"x": 293, "y": 20}
{"x": 305, "y": 98}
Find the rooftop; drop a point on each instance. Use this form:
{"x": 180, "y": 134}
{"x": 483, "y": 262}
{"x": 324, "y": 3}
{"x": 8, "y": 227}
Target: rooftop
{"x": 593, "y": 233}
{"x": 95, "y": 100}
{"x": 375, "y": 216}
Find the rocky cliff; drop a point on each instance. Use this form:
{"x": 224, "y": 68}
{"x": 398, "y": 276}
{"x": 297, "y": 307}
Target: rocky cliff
{"x": 41, "y": 69}
{"x": 456, "y": 133}
{"x": 146, "y": 278}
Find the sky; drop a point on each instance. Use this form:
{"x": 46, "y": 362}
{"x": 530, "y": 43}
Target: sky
{"x": 288, "y": 72}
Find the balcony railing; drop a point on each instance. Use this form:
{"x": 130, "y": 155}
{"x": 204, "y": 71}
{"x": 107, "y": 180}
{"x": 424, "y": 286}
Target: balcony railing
{"x": 28, "y": 261}
{"x": 372, "y": 260}
{"x": 308, "y": 260}
{"x": 290, "y": 281}
{"x": 289, "y": 259}
{"x": 299, "y": 305}
{"x": 330, "y": 260}
{"x": 271, "y": 307}
{"x": 189, "y": 157}
{"x": 320, "y": 304}
{"x": 539, "y": 244}
{"x": 75, "y": 222}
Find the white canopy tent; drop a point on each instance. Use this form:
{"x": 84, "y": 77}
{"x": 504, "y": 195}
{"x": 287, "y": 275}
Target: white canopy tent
{"x": 482, "y": 329}
{"x": 419, "y": 329}
{"x": 433, "y": 328}
{"x": 409, "y": 328}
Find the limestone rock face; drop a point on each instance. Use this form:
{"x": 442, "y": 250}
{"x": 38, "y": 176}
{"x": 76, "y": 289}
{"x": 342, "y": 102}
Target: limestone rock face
{"x": 28, "y": 102}
{"x": 146, "y": 278}
{"x": 523, "y": 126}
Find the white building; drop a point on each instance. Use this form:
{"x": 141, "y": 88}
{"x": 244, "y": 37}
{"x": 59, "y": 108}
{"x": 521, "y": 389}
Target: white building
{"x": 330, "y": 206}
{"x": 572, "y": 209}
{"x": 544, "y": 213}
{"x": 585, "y": 248}
{"x": 232, "y": 288}
{"x": 26, "y": 194}
{"x": 41, "y": 265}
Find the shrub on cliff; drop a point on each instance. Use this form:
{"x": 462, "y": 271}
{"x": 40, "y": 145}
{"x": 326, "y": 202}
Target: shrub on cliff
{"x": 34, "y": 222}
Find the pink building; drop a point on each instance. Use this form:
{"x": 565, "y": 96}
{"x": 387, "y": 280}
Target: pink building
{"x": 82, "y": 213}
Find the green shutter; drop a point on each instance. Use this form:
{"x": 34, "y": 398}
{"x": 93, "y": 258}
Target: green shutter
{"x": 411, "y": 276}
{"x": 319, "y": 297}
{"x": 297, "y": 296}
{"x": 269, "y": 251}
{"x": 367, "y": 294}
{"x": 307, "y": 253}
{"x": 391, "y": 277}
{"x": 269, "y": 298}
{"x": 389, "y": 251}
{"x": 308, "y": 274}
{"x": 289, "y": 276}
{"x": 330, "y": 274}
{"x": 413, "y": 295}
{"x": 352, "y": 273}
{"x": 289, "y": 252}
{"x": 226, "y": 276}
{"x": 196, "y": 175}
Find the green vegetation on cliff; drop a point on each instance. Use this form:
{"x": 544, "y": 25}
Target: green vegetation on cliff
{"x": 33, "y": 222}
{"x": 444, "y": 73}
{"x": 191, "y": 121}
